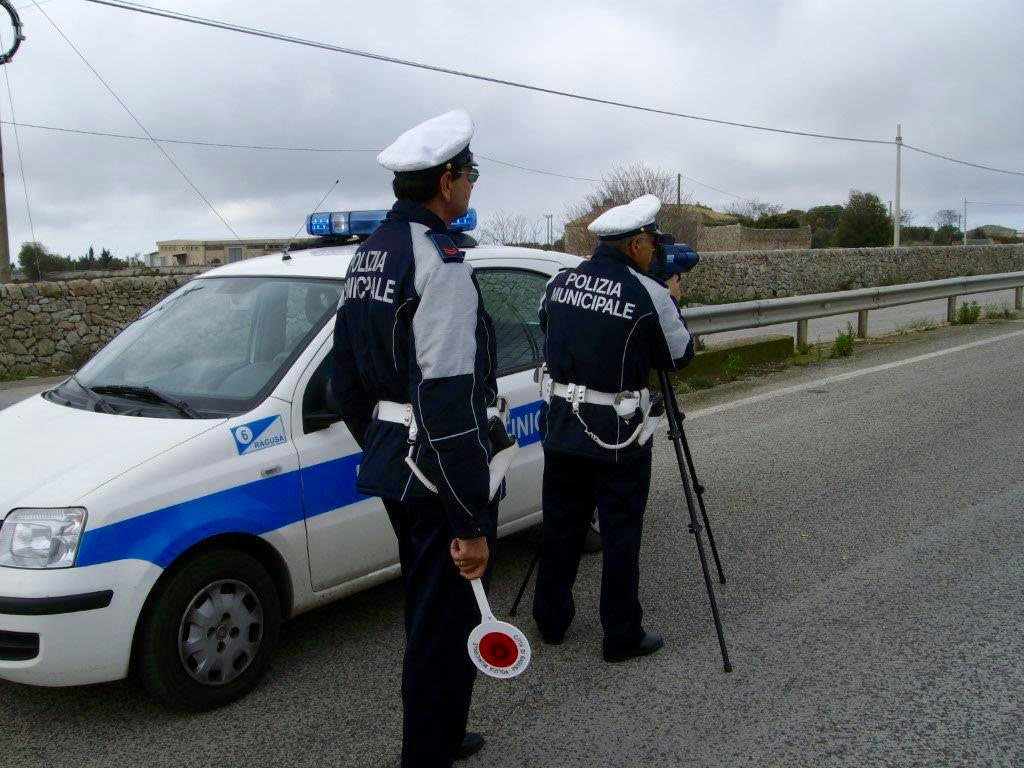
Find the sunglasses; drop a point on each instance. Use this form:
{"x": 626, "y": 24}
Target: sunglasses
{"x": 472, "y": 173}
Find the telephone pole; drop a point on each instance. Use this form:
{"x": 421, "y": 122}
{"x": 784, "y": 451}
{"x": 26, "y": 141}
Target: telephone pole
{"x": 5, "y": 57}
{"x": 896, "y": 217}
{"x": 548, "y": 217}
{"x": 679, "y": 189}
{"x": 5, "y": 248}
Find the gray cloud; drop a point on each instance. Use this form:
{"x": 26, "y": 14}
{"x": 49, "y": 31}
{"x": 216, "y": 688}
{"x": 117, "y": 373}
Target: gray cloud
{"x": 855, "y": 68}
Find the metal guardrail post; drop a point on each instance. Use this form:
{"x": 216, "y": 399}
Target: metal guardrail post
{"x": 801, "y": 334}
{"x": 862, "y": 324}
{"x": 1018, "y": 298}
{"x": 951, "y": 310}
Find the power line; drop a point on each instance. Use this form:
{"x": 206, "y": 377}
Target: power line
{"x": 1011, "y": 205}
{"x": 270, "y": 147}
{"x": 716, "y": 189}
{"x": 280, "y": 148}
{"x": 202, "y": 21}
{"x": 264, "y": 147}
{"x": 535, "y": 170}
{"x": 962, "y": 162}
{"x": 138, "y": 122}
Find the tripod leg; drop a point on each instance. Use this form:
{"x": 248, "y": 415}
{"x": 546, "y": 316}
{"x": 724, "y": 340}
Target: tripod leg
{"x": 526, "y": 581}
{"x": 675, "y": 432}
{"x": 698, "y": 488}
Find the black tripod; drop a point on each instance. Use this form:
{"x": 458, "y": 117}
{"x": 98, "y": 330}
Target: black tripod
{"x": 687, "y": 473}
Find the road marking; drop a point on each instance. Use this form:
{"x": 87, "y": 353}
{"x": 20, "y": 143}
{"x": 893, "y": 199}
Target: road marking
{"x": 844, "y": 376}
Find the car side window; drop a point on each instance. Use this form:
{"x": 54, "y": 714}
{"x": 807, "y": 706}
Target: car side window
{"x": 511, "y": 297}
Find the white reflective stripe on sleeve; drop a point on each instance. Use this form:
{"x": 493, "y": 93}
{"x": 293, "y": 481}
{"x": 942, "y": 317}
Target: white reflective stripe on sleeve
{"x": 672, "y": 327}
{"x": 444, "y": 326}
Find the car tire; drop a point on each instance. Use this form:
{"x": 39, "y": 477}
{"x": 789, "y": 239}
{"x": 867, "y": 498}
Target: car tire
{"x": 592, "y": 540}
{"x": 209, "y": 631}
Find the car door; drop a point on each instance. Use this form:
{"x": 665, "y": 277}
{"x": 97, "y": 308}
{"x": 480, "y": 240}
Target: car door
{"x": 511, "y": 296}
{"x": 348, "y": 534}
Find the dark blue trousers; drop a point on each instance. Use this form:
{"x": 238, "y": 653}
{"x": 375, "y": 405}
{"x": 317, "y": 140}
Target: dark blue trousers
{"x": 440, "y": 612}
{"x": 573, "y": 486}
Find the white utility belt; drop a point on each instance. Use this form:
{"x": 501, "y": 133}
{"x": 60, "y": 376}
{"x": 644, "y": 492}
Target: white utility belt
{"x": 402, "y": 413}
{"x": 625, "y": 403}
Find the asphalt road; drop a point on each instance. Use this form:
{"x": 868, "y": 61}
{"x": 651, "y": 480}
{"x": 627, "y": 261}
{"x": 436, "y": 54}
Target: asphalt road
{"x": 868, "y": 513}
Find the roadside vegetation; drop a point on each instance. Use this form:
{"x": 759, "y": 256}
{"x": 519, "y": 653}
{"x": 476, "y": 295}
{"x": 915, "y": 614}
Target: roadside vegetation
{"x": 844, "y": 345}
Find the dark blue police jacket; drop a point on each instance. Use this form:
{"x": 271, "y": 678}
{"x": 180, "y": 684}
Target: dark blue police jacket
{"x": 606, "y": 325}
{"x": 412, "y": 328}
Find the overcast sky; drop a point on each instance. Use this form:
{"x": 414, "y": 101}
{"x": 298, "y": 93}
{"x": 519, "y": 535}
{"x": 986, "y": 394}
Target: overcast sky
{"x": 950, "y": 73}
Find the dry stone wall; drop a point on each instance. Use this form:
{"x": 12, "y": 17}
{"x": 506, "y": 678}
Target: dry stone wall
{"x": 55, "y": 326}
{"x": 737, "y": 276}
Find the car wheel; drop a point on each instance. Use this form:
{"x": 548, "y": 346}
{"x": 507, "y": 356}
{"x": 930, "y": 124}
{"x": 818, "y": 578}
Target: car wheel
{"x": 209, "y": 632}
{"x": 592, "y": 541}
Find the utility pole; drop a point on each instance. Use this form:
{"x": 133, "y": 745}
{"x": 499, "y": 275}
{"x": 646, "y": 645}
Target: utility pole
{"x": 679, "y": 189}
{"x": 965, "y": 221}
{"x": 5, "y": 248}
{"x": 548, "y": 217}
{"x": 5, "y": 57}
{"x": 896, "y": 213}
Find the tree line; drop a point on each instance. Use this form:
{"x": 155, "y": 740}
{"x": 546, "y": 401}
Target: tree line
{"x": 36, "y": 261}
{"x": 864, "y": 221}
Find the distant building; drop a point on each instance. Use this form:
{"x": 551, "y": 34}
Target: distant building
{"x": 700, "y": 227}
{"x": 994, "y": 230}
{"x": 181, "y": 253}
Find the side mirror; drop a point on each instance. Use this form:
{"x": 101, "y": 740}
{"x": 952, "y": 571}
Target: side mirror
{"x": 319, "y": 420}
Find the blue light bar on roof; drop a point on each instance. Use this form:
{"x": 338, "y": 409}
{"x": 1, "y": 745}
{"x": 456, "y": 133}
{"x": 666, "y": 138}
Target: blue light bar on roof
{"x": 344, "y": 223}
{"x": 465, "y": 223}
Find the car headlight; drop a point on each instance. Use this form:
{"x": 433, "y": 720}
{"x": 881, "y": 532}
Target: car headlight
{"x": 41, "y": 538}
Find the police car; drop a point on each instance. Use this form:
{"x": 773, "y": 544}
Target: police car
{"x": 164, "y": 509}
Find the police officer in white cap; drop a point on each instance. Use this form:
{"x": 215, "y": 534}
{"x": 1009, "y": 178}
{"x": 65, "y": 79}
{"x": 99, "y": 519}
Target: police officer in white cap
{"x": 607, "y": 324}
{"x": 413, "y": 376}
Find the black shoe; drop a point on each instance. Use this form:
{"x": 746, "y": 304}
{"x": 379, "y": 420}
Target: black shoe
{"x": 650, "y": 643}
{"x": 471, "y": 744}
{"x": 552, "y": 639}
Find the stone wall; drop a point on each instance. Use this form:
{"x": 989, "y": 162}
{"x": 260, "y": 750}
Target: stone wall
{"x": 736, "y": 276}
{"x": 55, "y": 326}
{"x": 736, "y": 237}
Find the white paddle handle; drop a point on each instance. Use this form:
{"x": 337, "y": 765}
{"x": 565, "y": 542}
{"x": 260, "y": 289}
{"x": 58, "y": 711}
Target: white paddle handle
{"x": 481, "y": 600}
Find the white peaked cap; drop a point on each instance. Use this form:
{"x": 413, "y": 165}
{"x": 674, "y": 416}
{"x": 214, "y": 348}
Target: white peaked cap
{"x": 431, "y": 143}
{"x": 623, "y": 219}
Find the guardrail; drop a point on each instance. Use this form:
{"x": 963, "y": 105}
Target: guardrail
{"x": 754, "y": 314}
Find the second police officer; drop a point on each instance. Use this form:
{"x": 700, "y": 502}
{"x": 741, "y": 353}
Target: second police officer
{"x": 413, "y": 375}
{"x": 607, "y": 324}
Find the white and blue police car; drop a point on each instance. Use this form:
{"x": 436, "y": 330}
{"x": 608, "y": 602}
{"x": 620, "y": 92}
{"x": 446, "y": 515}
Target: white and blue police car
{"x": 191, "y": 487}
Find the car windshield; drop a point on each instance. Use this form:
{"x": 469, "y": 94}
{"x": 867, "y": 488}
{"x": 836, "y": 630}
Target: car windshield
{"x": 216, "y": 345}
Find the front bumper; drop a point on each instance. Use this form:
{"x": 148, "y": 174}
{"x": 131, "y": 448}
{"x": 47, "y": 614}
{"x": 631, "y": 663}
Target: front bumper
{"x": 71, "y": 626}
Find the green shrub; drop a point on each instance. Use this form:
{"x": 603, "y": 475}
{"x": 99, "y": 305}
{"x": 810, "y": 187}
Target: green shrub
{"x": 967, "y": 314}
{"x": 843, "y": 345}
{"x": 999, "y": 312}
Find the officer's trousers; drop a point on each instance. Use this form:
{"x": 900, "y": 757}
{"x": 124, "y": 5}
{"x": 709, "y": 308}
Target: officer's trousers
{"x": 573, "y": 486}
{"x": 440, "y": 612}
